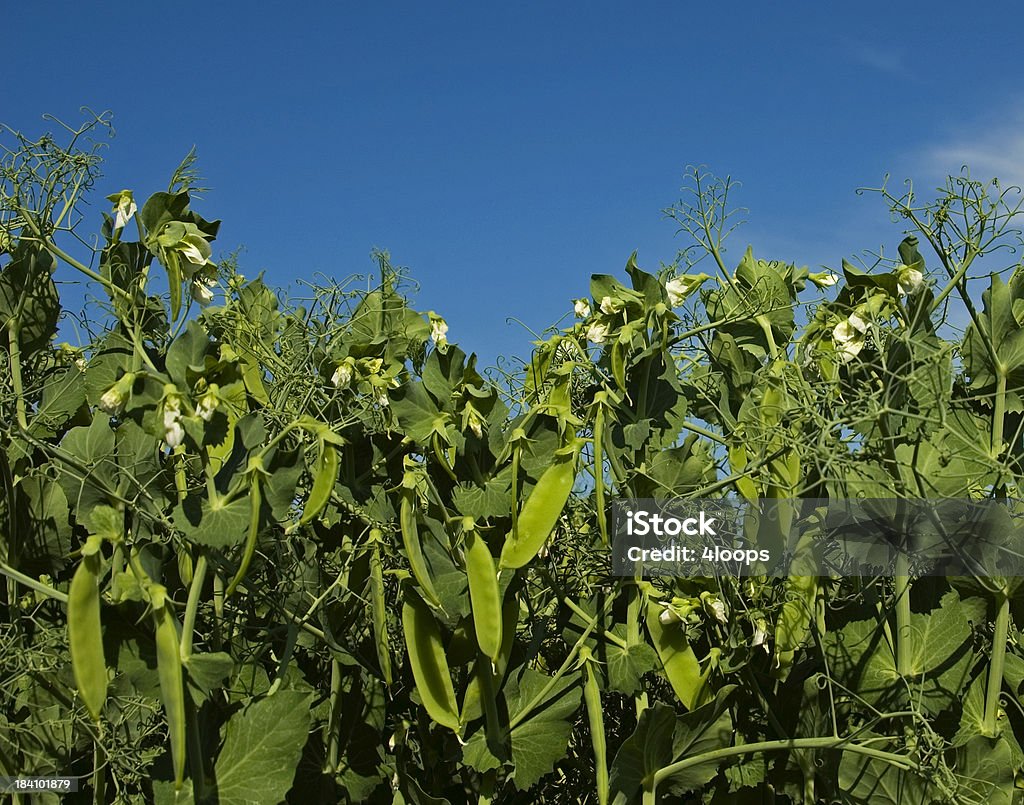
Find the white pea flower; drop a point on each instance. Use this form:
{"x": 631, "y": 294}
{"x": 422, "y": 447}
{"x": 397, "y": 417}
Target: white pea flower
{"x": 825, "y": 279}
{"x": 474, "y": 420}
{"x": 186, "y": 240}
{"x": 438, "y": 330}
{"x": 715, "y": 607}
{"x": 909, "y": 279}
{"x": 849, "y": 337}
{"x": 80, "y": 364}
{"x": 581, "y": 308}
{"x": 668, "y": 615}
{"x": 610, "y": 306}
{"x": 676, "y": 289}
{"x": 760, "y": 635}
{"x": 201, "y": 289}
{"x": 343, "y": 374}
{"x": 124, "y": 208}
{"x": 112, "y": 401}
{"x": 174, "y": 431}
{"x": 208, "y": 404}
{"x": 597, "y": 332}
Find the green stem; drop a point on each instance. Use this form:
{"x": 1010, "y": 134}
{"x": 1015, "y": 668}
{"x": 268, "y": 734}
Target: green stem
{"x": 19, "y": 390}
{"x": 788, "y": 744}
{"x": 996, "y": 665}
{"x": 30, "y": 582}
{"x": 903, "y": 628}
{"x": 99, "y": 778}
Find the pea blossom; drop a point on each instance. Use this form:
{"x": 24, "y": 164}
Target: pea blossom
{"x": 849, "y": 337}
{"x": 201, "y": 290}
{"x": 174, "y": 431}
{"x": 581, "y": 308}
{"x": 438, "y": 329}
{"x": 343, "y": 373}
{"x": 825, "y": 279}
{"x": 208, "y": 404}
{"x": 909, "y": 279}
{"x": 597, "y": 332}
{"x": 124, "y": 208}
{"x": 113, "y": 400}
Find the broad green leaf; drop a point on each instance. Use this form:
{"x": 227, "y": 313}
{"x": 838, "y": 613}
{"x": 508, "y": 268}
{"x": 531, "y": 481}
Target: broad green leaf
{"x": 262, "y": 746}
{"x": 218, "y": 527}
{"x": 698, "y": 732}
{"x": 643, "y": 753}
{"x": 538, "y": 741}
{"x": 869, "y": 781}
{"x": 625, "y": 666}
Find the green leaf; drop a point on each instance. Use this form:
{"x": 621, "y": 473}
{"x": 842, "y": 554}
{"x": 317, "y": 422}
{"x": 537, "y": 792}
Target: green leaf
{"x": 869, "y": 781}
{"x": 985, "y": 771}
{"x": 218, "y": 527}
{"x": 540, "y": 740}
{"x": 627, "y": 665}
{"x": 696, "y": 733}
{"x": 262, "y": 746}
{"x": 186, "y": 357}
{"x": 418, "y": 414}
{"x": 648, "y": 749}
{"x": 207, "y": 671}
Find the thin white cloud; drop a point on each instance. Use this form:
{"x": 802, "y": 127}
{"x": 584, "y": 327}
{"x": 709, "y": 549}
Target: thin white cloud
{"x": 884, "y": 60}
{"x": 988, "y": 150}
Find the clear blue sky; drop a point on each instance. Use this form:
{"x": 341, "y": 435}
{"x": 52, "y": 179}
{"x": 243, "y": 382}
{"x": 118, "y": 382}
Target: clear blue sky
{"x": 504, "y": 153}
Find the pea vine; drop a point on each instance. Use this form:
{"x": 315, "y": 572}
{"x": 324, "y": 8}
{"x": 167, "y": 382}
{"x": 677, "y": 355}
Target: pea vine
{"x": 260, "y": 549}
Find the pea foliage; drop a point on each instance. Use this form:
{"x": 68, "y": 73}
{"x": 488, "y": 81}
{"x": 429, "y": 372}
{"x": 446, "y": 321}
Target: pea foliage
{"x": 259, "y": 549}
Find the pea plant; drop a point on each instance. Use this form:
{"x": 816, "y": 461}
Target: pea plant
{"x": 261, "y": 549}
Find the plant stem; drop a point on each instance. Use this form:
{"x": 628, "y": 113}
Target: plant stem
{"x": 903, "y": 629}
{"x": 662, "y": 774}
{"x": 996, "y": 665}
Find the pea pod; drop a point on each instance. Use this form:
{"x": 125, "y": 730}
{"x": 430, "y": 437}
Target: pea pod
{"x": 323, "y": 483}
{"x": 428, "y": 661}
{"x": 682, "y": 668}
{"x": 595, "y": 717}
{"x": 472, "y": 702}
{"x": 411, "y": 541}
{"x": 484, "y": 595}
{"x": 85, "y": 635}
{"x": 255, "y": 502}
{"x": 380, "y": 622}
{"x": 172, "y": 687}
{"x": 542, "y": 508}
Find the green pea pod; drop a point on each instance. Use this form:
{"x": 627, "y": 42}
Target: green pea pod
{"x": 323, "y": 483}
{"x": 484, "y": 595}
{"x": 172, "y": 686}
{"x": 85, "y": 635}
{"x": 542, "y": 508}
{"x": 428, "y": 661}
{"x": 411, "y": 542}
{"x": 595, "y": 717}
{"x": 255, "y": 502}
{"x": 619, "y": 364}
{"x": 682, "y": 668}
{"x": 380, "y": 622}
{"x": 472, "y": 702}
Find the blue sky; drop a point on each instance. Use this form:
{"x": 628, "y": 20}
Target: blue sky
{"x": 505, "y": 153}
